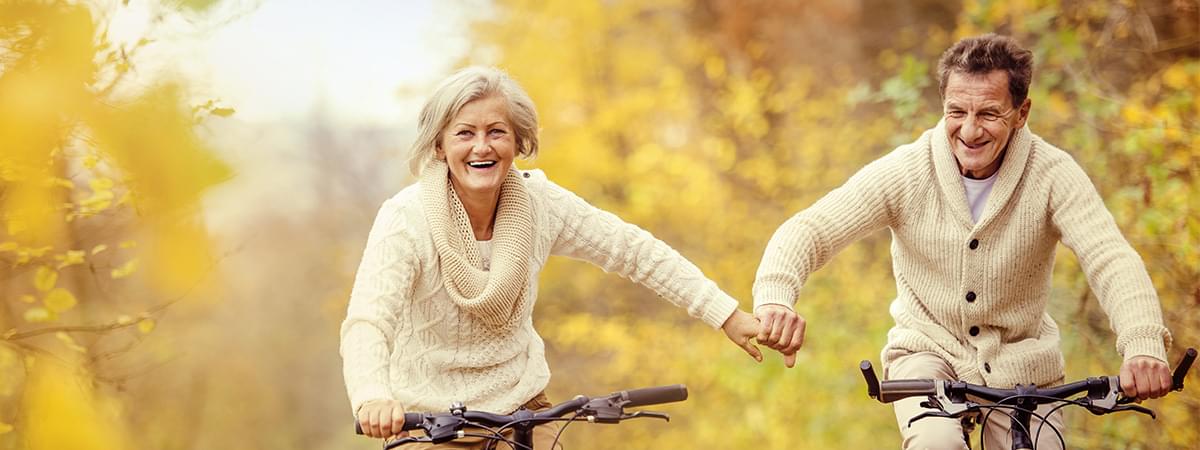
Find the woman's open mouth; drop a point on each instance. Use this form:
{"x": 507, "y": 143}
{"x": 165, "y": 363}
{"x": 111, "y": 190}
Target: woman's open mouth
{"x": 481, "y": 164}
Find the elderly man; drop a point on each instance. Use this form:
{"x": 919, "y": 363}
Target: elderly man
{"x": 976, "y": 206}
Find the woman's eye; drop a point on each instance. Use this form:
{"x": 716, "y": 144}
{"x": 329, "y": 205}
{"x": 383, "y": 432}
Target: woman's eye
{"x": 464, "y": 133}
{"x": 498, "y": 132}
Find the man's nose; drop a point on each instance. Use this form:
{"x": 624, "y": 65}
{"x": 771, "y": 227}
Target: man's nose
{"x": 971, "y": 129}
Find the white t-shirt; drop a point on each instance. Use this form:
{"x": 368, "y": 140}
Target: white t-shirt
{"x": 485, "y": 253}
{"x": 977, "y": 194}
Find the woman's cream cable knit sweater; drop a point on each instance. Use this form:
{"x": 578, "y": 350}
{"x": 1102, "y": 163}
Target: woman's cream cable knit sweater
{"x": 975, "y": 293}
{"x": 404, "y": 339}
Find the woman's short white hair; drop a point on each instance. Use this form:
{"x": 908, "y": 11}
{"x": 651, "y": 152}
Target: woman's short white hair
{"x": 464, "y": 86}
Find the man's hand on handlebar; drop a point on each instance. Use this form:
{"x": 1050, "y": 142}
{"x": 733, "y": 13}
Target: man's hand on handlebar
{"x": 782, "y": 330}
{"x": 381, "y": 418}
{"x": 1145, "y": 377}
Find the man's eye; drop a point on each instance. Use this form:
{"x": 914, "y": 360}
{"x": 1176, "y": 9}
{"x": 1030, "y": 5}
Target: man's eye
{"x": 956, "y": 114}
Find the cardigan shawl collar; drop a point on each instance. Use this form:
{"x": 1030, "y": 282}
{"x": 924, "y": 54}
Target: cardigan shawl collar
{"x": 949, "y": 178}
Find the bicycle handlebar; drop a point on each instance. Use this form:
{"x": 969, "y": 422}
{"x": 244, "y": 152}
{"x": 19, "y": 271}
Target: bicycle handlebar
{"x": 1097, "y": 388}
{"x": 441, "y": 427}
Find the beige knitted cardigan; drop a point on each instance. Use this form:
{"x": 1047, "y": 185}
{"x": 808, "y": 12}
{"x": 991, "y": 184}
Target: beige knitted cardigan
{"x": 404, "y": 338}
{"x": 975, "y": 293}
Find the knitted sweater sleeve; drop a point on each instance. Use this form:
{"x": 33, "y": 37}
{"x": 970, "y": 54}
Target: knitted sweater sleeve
{"x": 1114, "y": 270}
{"x": 597, "y": 236}
{"x": 383, "y": 284}
{"x": 868, "y": 201}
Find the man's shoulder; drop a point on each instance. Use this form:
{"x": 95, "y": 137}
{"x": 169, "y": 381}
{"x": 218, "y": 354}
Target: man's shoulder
{"x": 910, "y": 155}
{"x": 1047, "y": 157}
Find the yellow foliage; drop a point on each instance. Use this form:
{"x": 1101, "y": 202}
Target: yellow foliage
{"x": 125, "y": 269}
{"x": 45, "y": 279}
{"x": 62, "y": 411}
{"x": 59, "y": 300}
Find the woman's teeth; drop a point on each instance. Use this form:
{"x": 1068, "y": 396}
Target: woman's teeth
{"x": 481, "y": 164}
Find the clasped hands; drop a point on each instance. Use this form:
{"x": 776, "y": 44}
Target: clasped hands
{"x": 775, "y": 326}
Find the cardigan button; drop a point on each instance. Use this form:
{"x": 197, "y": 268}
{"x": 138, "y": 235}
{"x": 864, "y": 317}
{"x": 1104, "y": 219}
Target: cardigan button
{"x": 974, "y": 244}
{"x": 974, "y": 331}
{"x": 987, "y": 367}
{"x": 971, "y": 296}
{"x": 526, "y": 175}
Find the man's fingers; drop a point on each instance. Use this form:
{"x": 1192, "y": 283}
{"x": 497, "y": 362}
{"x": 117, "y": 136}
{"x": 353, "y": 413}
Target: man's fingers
{"x": 788, "y": 328}
{"x": 1165, "y": 380}
{"x": 776, "y": 333}
{"x": 397, "y": 419}
{"x": 797, "y": 338}
{"x": 789, "y": 359}
{"x": 766, "y": 323}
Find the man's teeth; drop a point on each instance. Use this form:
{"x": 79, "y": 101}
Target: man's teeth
{"x": 481, "y": 164}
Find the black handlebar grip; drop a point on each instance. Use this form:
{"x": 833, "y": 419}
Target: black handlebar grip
{"x": 655, "y": 395}
{"x": 1182, "y": 369}
{"x": 869, "y": 375}
{"x": 412, "y": 421}
{"x": 892, "y": 390}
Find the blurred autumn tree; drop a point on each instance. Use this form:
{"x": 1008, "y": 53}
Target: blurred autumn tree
{"x": 100, "y": 180}
{"x": 710, "y": 122}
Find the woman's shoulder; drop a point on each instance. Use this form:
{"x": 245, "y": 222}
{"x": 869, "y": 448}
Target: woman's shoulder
{"x": 403, "y": 209}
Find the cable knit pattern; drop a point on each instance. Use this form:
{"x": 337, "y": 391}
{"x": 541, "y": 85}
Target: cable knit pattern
{"x": 980, "y": 306}
{"x": 404, "y": 338}
{"x": 494, "y": 297}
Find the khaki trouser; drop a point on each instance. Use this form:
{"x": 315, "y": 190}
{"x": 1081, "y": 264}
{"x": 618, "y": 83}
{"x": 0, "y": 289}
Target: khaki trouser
{"x": 946, "y": 433}
{"x": 543, "y": 435}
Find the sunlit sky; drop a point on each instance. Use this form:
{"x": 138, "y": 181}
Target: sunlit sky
{"x": 357, "y": 65}
{"x": 282, "y": 58}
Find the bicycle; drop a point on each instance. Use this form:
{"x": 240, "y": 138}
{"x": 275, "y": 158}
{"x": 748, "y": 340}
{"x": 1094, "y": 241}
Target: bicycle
{"x": 448, "y": 426}
{"x": 949, "y": 398}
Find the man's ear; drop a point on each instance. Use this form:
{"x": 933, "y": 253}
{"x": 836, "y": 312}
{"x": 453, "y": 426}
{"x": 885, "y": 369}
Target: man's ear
{"x": 1023, "y": 113}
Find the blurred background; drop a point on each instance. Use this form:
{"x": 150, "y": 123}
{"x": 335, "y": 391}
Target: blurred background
{"x": 186, "y": 187}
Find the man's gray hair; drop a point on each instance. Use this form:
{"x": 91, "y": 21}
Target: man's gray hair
{"x": 981, "y": 55}
{"x": 464, "y": 86}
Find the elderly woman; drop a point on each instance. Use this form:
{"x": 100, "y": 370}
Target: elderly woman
{"x": 442, "y": 302}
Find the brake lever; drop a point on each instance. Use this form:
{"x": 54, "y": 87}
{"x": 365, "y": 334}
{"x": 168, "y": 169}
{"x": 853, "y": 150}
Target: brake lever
{"x": 933, "y": 414}
{"x": 402, "y": 441}
{"x": 1136, "y": 408}
{"x": 647, "y": 415}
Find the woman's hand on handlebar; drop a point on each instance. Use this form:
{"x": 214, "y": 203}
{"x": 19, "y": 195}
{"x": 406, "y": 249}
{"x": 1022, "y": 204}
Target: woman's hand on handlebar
{"x": 1145, "y": 377}
{"x": 741, "y": 328}
{"x": 381, "y": 418}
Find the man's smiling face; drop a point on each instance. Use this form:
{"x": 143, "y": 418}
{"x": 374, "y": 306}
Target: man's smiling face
{"x": 980, "y": 120}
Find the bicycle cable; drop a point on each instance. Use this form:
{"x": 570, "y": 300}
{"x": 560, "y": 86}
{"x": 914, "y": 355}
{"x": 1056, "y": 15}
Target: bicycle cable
{"x": 1044, "y": 418}
{"x": 997, "y": 407}
{"x": 560, "y": 430}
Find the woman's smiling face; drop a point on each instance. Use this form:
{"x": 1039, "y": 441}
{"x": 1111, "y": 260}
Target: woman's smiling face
{"x": 479, "y": 145}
